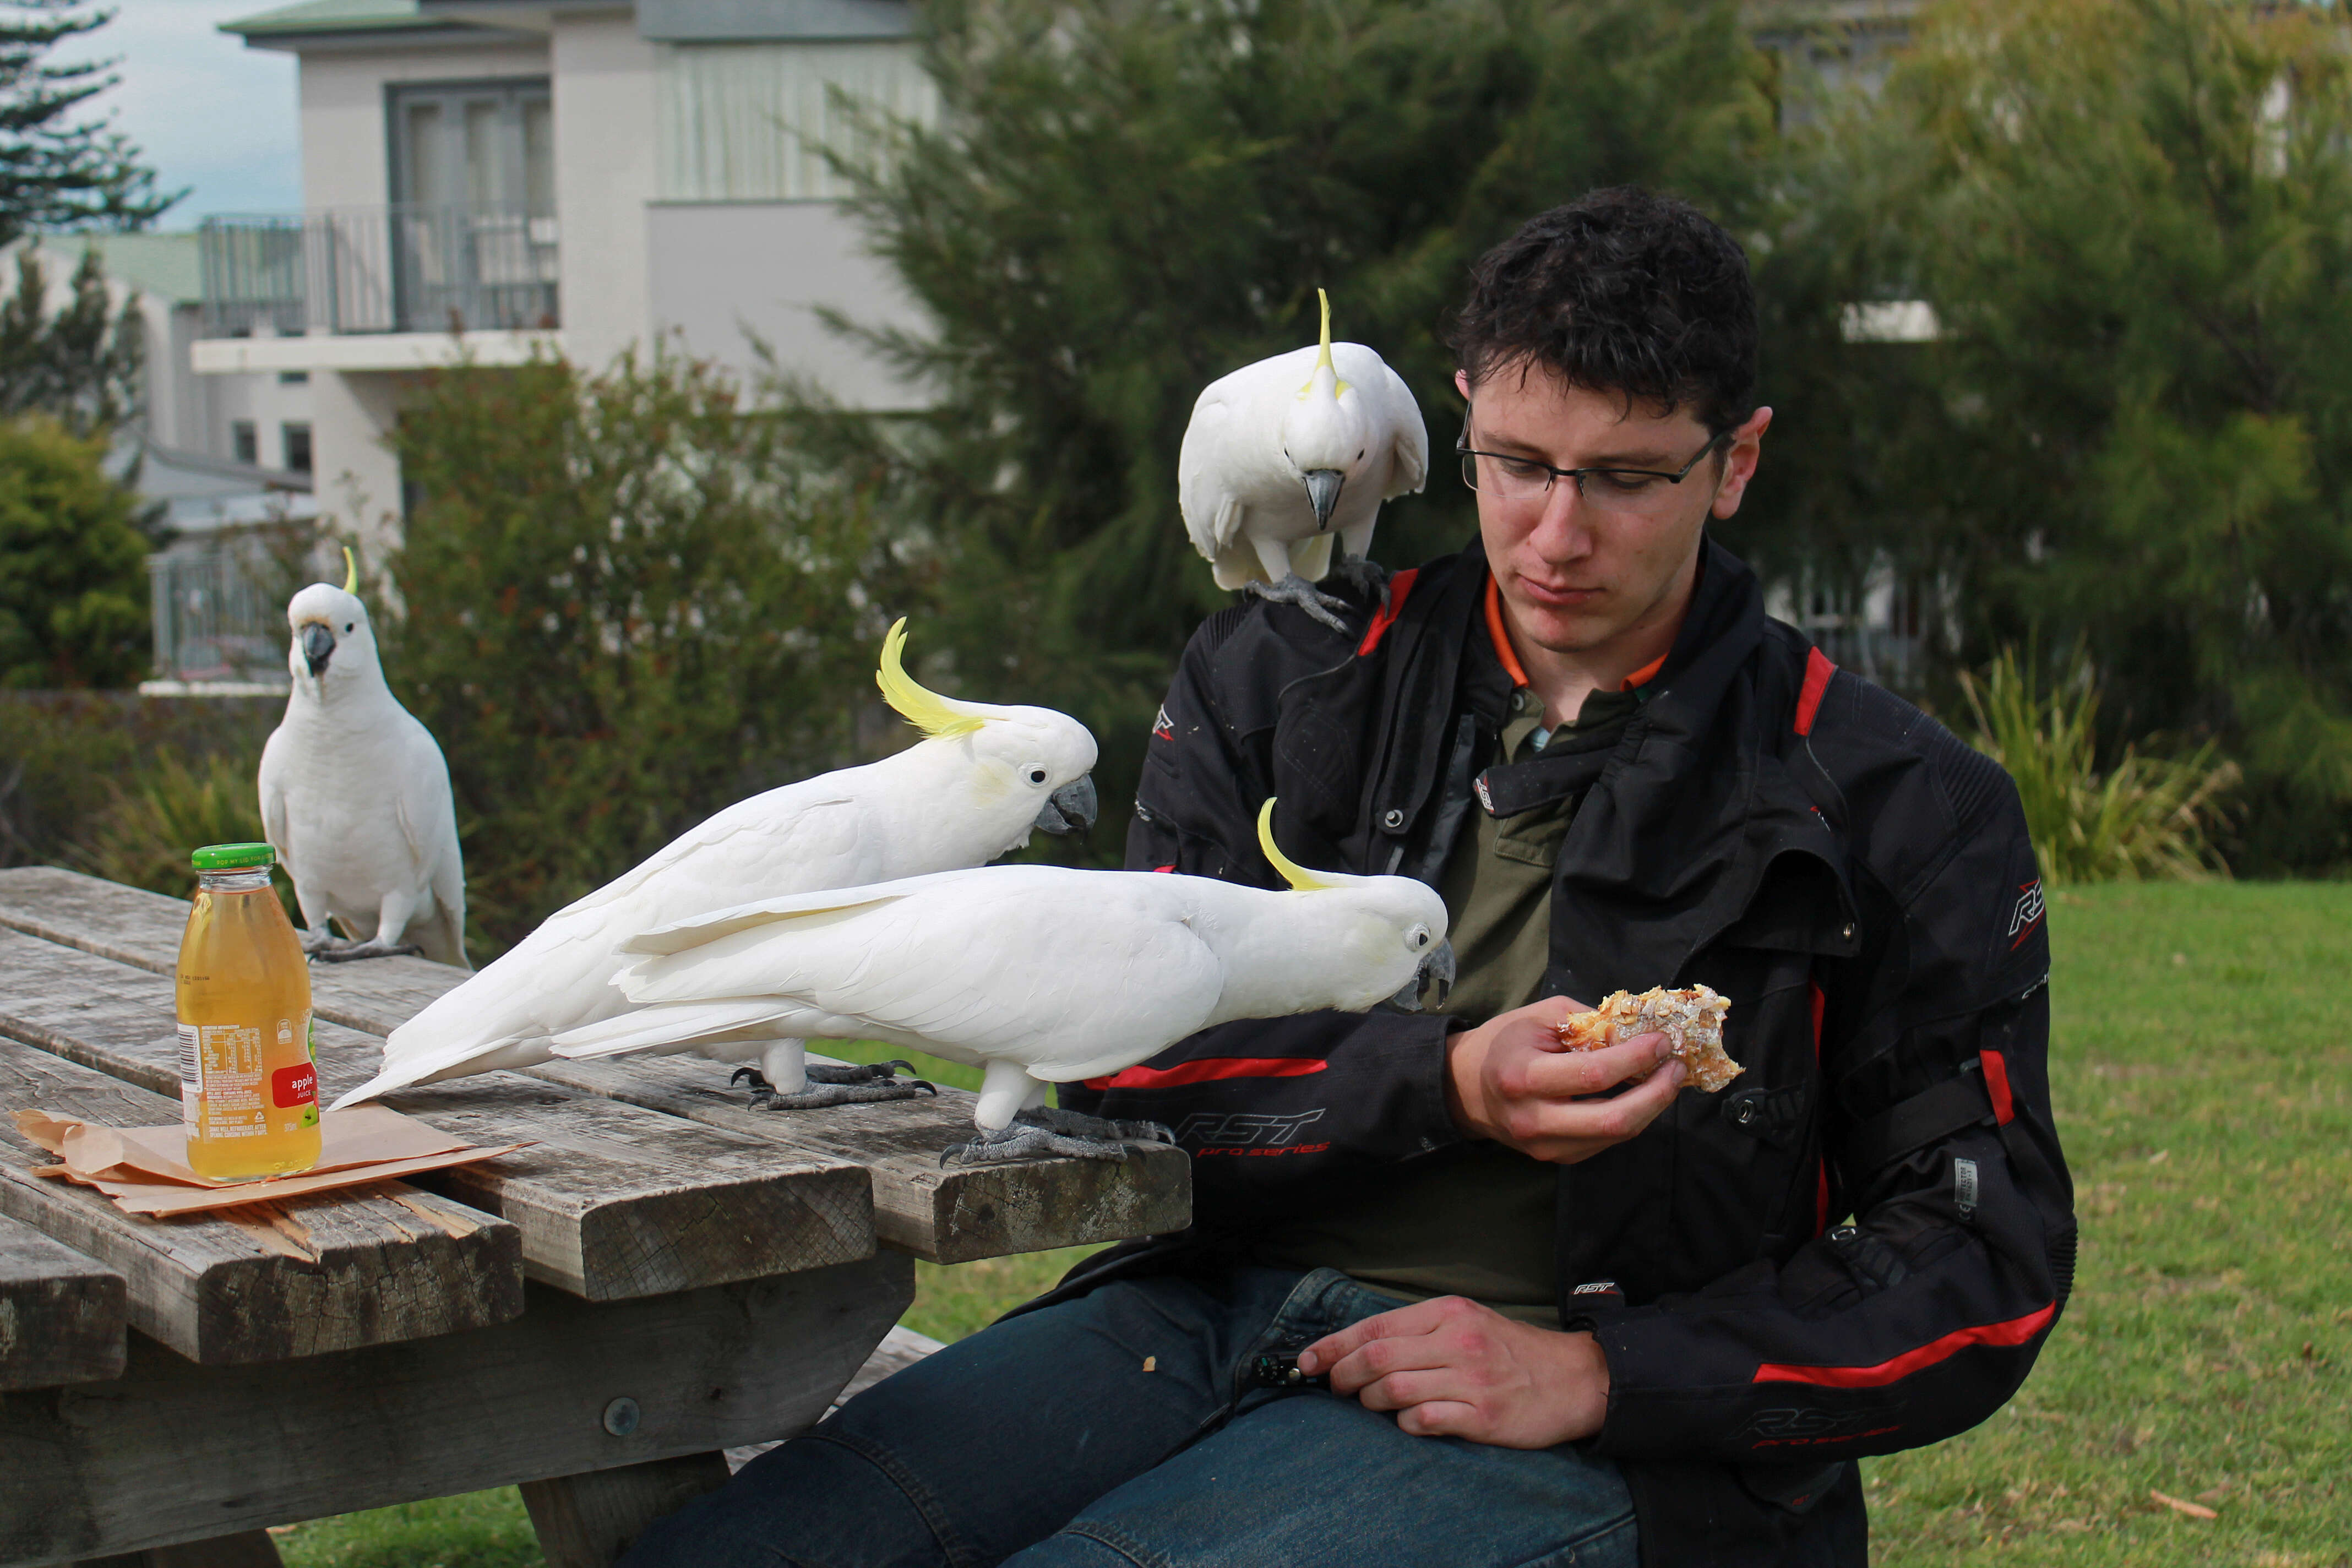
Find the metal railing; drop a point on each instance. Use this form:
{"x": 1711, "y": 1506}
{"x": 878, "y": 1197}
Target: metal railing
{"x": 214, "y": 621}
{"x": 379, "y": 270}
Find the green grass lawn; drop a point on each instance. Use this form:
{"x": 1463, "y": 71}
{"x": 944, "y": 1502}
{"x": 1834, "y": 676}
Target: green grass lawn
{"x": 2204, "y": 1085}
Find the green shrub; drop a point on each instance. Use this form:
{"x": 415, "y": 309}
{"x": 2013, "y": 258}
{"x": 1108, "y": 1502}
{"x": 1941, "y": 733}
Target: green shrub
{"x": 2147, "y": 818}
{"x": 73, "y": 581}
{"x": 626, "y": 603}
{"x": 65, "y": 758}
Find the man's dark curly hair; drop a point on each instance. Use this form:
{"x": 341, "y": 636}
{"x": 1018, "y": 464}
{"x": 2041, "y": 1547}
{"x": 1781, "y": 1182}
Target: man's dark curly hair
{"x": 1624, "y": 292}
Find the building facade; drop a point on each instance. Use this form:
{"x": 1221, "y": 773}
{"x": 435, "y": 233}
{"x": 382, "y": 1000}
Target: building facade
{"x": 491, "y": 180}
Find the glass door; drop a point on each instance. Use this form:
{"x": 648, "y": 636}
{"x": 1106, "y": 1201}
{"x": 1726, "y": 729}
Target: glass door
{"x": 473, "y": 223}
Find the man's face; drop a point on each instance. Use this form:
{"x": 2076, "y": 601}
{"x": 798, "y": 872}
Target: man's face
{"x": 1579, "y": 574}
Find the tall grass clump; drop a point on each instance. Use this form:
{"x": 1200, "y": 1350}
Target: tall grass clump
{"x": 2145, "y": 819}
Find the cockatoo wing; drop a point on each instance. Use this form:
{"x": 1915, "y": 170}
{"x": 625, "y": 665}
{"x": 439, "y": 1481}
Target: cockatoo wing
{"x": 1409, "y": 445}
{"x": 561, "y": 976}
{"x": 1213, "y": 512}
{"x": 1060, "y": 972}
{"x": 273, "y": 797}
{"x": 428, "y": 816}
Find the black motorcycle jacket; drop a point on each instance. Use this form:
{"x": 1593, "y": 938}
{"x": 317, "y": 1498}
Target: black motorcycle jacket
{"x": 1861, "y": 1245}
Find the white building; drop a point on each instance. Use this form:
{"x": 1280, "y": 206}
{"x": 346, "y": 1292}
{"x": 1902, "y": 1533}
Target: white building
{"x": 500, "y": 178}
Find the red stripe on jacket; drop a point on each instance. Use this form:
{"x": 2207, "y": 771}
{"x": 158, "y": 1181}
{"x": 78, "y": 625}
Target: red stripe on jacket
{"x": 1995, "y": 1077}
{"x": 1210, "y": 1069}
{"x": 1399, "y": 586}
{"x": 2015, "y": 1332}
{"x": 1818, "y": 670}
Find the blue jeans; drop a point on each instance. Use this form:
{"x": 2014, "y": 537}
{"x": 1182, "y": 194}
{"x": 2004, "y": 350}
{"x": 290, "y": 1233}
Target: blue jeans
{"x": 1118, "y": 1430}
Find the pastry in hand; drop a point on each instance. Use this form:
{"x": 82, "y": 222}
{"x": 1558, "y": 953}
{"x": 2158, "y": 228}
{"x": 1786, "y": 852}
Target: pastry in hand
{"x": 1692, "y": 1020}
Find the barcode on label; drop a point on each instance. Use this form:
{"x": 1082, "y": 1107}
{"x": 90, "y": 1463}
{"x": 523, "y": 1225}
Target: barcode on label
{"x": 191, "y": 1079}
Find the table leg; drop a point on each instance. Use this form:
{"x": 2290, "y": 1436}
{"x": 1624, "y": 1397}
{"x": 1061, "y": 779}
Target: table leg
{"x": 588, "y": 1520}
{"x": 246, "y": 1549}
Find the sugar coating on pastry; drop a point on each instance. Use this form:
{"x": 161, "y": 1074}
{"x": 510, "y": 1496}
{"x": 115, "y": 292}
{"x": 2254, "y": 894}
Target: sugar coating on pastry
{"x": 1691, "y": 1020}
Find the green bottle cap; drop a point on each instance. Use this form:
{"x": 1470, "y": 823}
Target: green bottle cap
{"x": 233, "y": 857}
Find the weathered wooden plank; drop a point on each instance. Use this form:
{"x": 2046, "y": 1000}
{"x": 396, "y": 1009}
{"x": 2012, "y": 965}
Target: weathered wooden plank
{"x": 246, "y": 1549}
{"x": 262, "y": 1281}
{"x": 613, "y": 1201}
{"x": 587, "y": 1522}
{"x": 173, "y": 1452}
{"x": 951, "y": 1215}
{"x": 947, "y": 1216}
{"x": 61, "y": 1314}
{"x": 132, "y": 926}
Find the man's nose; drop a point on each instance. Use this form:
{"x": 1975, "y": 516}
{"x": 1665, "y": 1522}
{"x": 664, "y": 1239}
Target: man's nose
{"x": 1563, "y": 532}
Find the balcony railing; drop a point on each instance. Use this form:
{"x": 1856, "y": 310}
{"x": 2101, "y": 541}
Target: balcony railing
{"x": 379, "y": 270}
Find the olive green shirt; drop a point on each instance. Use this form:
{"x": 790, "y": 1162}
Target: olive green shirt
{"x": 1477, "y": 1219}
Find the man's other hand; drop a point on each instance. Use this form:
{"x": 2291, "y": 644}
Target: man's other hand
{"x": 1511, "y": 1081}
{"x": 1452, "y": 1368}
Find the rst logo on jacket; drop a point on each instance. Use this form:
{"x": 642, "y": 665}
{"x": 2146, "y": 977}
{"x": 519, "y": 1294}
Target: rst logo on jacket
{"x": 1163, "y": 728}
{"x": 1247, "y": 1132}
{"x": 2027, "y": 914}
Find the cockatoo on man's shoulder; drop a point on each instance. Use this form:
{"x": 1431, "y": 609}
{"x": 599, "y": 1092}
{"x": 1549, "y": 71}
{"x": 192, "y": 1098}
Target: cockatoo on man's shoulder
{"x": 1038, "y": 974}
{"x": 973, "y": 789}
{"x": 355, "y": 796}
{"x": 1283, "y": 454}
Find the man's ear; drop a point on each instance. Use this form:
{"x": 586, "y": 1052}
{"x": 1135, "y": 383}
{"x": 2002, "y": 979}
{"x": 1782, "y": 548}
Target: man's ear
{"x": 1461, "y": 383}
{"x": 1739, "y": 462}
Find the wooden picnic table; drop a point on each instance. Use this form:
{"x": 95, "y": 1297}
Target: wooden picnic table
{"x": 662, "y": 1275}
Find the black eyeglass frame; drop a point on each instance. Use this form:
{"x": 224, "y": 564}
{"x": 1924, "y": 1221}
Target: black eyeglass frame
{"x": 1553, "y": 476}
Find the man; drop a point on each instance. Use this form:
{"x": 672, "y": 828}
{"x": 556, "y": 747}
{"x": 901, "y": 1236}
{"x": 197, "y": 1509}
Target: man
{"x": 1568, "y": 1312}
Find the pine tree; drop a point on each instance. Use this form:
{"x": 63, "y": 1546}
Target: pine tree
{"x": 82, "y": 367}
{"x": 57, "y": 172}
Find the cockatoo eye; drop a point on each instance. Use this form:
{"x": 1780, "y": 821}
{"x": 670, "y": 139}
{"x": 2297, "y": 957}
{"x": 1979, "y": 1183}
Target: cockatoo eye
{"x": 349, "y": 626}
{"x": 1037, "y": 775}
{"x": 1417, "y": 937}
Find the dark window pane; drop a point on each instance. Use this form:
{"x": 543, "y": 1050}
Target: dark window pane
{"x": 298, "y": 447}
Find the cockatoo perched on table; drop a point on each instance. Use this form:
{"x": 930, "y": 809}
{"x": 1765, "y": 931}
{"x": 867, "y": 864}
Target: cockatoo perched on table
{"x": 973, "y": 789}
{"x": 355, "y": 794}
{"x": 1283, "y": 453}
{"x": 1038, "y": 974}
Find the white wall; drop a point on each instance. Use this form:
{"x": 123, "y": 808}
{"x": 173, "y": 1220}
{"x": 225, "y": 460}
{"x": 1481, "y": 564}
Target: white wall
{"x": 605, "y": 96}
{"x": 720, "y": 268}
{"x": 346, "y": 155}
{"x": 357, "y": 478}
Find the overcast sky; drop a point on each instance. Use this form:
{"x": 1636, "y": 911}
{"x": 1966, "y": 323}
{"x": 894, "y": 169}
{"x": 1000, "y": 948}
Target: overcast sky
{"x": 208, "y": 112}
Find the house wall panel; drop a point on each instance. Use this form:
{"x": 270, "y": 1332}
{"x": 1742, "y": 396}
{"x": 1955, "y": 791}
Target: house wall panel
{"x": 723, "y": 270}
{"x": 605, "y": 97}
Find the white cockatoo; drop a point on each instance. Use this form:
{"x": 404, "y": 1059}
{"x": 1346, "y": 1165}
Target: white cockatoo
{"x": 973, "y": 789}
{"x": 1037, "y": 974}
{"x": 355, "y": 794}
{"x": 1282, "y": 453}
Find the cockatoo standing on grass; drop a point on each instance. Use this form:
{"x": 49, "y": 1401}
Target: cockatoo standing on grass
{"x": 1282, "y": 453}
{"x": 1038, "y": 974}
{"x": 355, "y": 796}
{"x": 973, "y": 789}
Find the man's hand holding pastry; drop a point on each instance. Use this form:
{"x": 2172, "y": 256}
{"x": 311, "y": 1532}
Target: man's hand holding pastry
{"x": 1513, "y": 1080}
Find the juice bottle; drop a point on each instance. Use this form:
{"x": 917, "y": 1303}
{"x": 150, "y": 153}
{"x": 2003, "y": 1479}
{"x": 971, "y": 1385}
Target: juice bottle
{"x": 248, "y": 1073}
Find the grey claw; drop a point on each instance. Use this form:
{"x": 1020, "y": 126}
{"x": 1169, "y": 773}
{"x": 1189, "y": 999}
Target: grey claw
{"x": 1296, "y": 590}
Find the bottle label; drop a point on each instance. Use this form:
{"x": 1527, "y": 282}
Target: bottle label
{"x": 294, "y": 1086}
{"x": 229, "y": 1056}
{"x": 191, "y": 1079}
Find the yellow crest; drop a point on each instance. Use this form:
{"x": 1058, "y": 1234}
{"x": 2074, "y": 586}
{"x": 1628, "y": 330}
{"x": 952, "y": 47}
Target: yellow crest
{"x": 351, "y": 571}
{"x": 1300, "y": 878}
{"x": 929, "y": 711}
{"x": 1323, "y": 352}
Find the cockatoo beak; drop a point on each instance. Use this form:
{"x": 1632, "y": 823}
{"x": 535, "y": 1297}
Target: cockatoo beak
{"x": 1437, "y": 967}
{"x": 317, "y": 648}
{"x": 1069, "y": 809}
{"x": 1323, "y": 493}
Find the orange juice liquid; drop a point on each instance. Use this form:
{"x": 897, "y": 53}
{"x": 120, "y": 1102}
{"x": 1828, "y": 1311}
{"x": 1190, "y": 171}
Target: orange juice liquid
{"x": 248, "y": 1074}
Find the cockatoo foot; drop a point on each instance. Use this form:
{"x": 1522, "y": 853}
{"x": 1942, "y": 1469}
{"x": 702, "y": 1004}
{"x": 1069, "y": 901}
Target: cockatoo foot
{"x": 1366, "y": 575}
{"x": 830, "y": 1086}
{"x": 1296, "y": 590}
{"x": 350, "y": 952}
{"x": 1043, "y": 1130}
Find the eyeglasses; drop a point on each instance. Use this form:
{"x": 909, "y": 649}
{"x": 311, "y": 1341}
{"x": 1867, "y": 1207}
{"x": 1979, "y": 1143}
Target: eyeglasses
{"x": 1516, "y": 478}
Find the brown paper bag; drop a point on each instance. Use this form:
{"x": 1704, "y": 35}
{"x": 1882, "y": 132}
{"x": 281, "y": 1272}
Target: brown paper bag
{"x": 145, "y": 1169}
